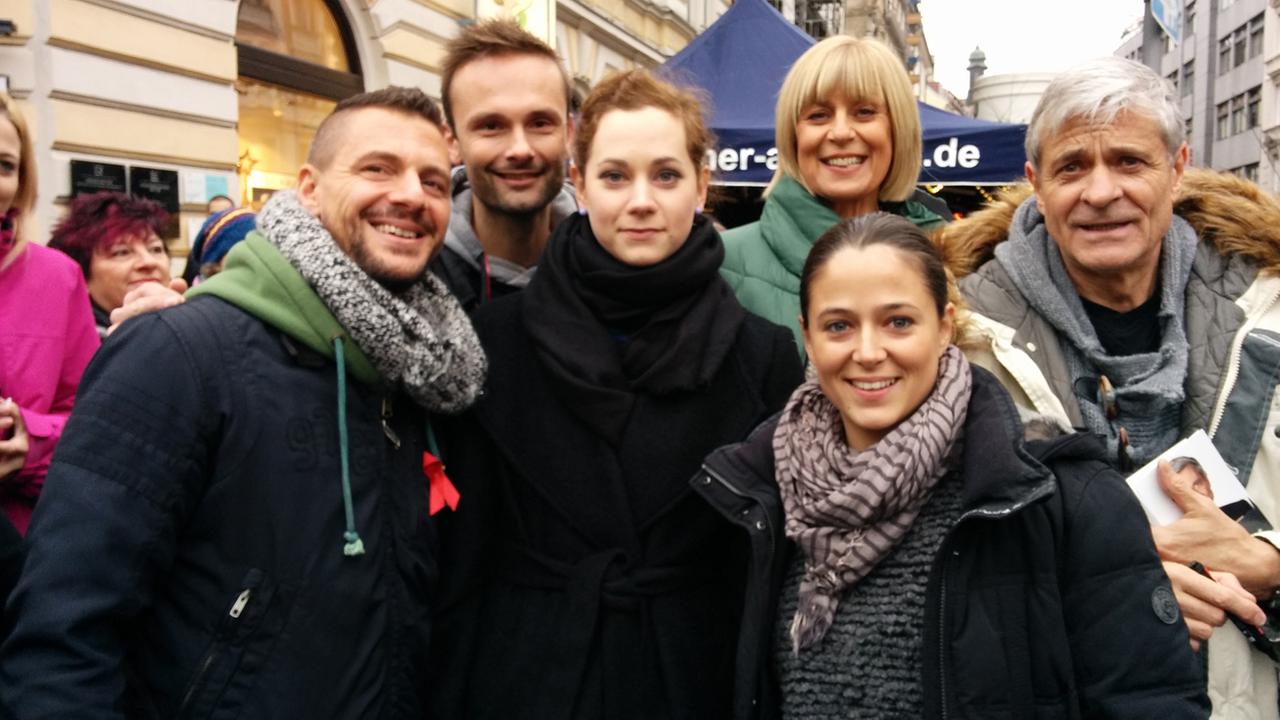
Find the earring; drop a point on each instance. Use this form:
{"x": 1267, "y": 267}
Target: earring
{"x": 582, "y": 211}
{"x": 697, "y": 210}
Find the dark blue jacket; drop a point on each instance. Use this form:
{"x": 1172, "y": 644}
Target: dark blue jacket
{"x": 186, "y": 556}
{"x": 1046, "y": 599}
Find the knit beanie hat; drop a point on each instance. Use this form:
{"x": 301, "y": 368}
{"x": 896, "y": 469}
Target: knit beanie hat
{"x": 220, "y": 232}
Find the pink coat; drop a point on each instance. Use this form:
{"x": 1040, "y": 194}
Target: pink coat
{"x": 47, "y": 337}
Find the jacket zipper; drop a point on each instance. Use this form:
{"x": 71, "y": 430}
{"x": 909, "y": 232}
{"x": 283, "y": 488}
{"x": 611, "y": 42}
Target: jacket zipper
{"x": 386, "y": 424}
{"x": 731, "y": 488}
{"x": 942, "y": 639}
{"x": 1233, "y": 367}
{"x": 237, "y": 609}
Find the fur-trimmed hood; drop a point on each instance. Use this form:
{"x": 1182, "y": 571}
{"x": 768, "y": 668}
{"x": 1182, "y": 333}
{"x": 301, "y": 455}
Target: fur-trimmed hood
{"x": 1233, "y": 215}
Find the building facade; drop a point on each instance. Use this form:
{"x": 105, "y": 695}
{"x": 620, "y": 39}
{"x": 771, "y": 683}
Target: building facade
{"x": 186, "y": 99}
{"x": 1008, "y": 97}
{"x": 1226, "y": 78}
{"x": 897, "y": 23}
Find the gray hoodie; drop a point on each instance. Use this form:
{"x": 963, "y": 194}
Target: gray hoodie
{"x": 461, "y": 262}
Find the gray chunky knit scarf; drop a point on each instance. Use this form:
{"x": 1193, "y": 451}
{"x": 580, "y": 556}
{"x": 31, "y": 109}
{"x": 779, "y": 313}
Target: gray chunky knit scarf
{"x": 847, "y": 510}
{"x": 420, "y": 338}
{"x": 1148, "y": 387}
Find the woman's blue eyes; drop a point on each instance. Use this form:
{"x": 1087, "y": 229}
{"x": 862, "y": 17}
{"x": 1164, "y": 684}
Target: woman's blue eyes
{"x": 896, "y": 323}
{"x": 662, "y": 176}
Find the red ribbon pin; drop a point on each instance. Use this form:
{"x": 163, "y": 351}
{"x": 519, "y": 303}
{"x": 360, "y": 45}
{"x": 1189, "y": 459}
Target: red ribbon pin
{"x": 442, "y": 490}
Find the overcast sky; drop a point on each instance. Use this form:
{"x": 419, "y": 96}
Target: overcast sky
{"x": 1021, "y": 35}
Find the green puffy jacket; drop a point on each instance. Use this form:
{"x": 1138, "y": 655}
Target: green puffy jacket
{"x": 763, "y": 260}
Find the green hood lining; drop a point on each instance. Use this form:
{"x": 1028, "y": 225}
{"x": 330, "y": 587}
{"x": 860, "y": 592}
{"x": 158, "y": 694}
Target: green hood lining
{"x": 256, "y": 278}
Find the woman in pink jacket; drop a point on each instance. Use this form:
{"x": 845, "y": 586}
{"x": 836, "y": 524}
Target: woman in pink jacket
{"x": 47, "y": 333}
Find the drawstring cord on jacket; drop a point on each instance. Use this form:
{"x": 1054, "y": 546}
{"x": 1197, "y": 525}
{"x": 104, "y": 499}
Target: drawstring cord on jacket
{"x": 354, "y": 545}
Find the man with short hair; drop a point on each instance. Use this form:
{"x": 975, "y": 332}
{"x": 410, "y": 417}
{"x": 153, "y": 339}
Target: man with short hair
{"x": 1137, "y": 299}
{"x": 506, "y": 97}
{"x": 236, "y": 521}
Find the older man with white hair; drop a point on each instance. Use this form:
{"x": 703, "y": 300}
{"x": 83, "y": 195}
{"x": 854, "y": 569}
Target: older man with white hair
{"x": 1127, "y": 295}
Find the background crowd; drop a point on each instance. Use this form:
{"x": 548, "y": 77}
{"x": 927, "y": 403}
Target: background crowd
{"x": 485, "y": 443}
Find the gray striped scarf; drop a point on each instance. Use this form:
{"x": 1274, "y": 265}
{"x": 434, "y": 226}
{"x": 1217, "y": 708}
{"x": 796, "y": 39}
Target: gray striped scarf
{"x": 846, "y": 509}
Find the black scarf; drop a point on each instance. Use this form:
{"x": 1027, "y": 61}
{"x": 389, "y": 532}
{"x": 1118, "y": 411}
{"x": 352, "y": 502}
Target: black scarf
{"x": 606, "y": 331}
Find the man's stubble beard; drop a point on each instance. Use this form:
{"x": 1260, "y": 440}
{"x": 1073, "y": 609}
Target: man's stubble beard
{"x": 486, "y": 192}
{"x": 358, "y": 251}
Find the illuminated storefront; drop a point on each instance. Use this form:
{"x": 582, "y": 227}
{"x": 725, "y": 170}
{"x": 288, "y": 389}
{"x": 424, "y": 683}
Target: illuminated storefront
{"x": 296, "y": 61}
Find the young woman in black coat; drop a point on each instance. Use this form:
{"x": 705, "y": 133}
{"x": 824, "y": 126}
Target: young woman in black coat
{"x": 912, "y": 555}
{"x": 582, "y": 578}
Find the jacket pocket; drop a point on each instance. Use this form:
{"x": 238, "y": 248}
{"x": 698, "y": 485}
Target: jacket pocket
{"x": 241, "y": 643}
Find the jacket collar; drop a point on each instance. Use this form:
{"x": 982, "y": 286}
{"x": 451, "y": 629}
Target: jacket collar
{"x": 792, "y": 220}
{"x": 259, "y": 280}
{"x": 1233, "y": 216}
{"x": 999, "y": 470}
{"x": 747, "y": 465}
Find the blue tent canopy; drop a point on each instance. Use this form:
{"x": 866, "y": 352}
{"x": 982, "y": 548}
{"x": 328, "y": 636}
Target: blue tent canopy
{"x": 959, "y": 150}
{"x": 740, "y": 62}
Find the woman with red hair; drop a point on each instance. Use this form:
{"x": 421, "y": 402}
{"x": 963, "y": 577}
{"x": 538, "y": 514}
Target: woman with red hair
{"x": 116, "y": 240}
{"x": 46, "y": 332}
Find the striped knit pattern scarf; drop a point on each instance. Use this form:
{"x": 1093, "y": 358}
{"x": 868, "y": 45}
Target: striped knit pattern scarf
{"x": 846, "y": 509}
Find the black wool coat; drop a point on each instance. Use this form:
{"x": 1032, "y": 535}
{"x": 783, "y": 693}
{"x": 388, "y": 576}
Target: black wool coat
{"x": 583, "y": 579}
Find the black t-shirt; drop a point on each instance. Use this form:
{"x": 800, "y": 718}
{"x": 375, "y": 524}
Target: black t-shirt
{"x": 1127, "y": 333}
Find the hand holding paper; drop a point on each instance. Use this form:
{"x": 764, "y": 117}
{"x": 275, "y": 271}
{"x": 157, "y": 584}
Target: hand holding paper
{"x": 1206, "y": 534}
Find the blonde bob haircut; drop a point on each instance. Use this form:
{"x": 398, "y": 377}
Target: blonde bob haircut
{"x": 25, "y": 198}
{"x": 860, "y": 69}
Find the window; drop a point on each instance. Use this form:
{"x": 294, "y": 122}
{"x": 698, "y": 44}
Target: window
{"x": 1187, "y": 130}
{"x": 1237, "y": 114}
{"x": 297, "y": 58}
{"x": 1253, "y": 111}
{"x": 1224, "y": 126}
{"x": 1188, "y": 77}
{"x": 1255, "y": 36}
{"x": 1239, "y": 41}
{"x": 1224, "y": 55}
{"x": 1189, "y": 20}
{"x": 1248, "y": 172}
{"x": 1172, "y": 79}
